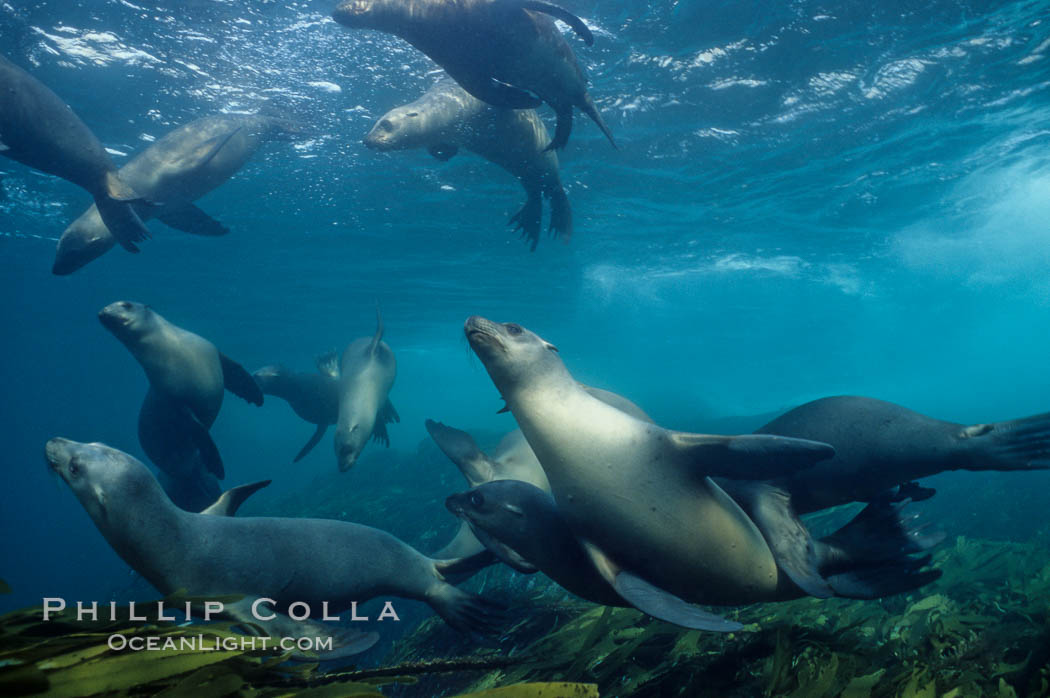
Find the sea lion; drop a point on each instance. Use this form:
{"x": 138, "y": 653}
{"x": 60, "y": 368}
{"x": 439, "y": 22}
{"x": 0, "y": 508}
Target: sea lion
{"x": 501, "y": 51}
{"x": 640, "y": 498}
{"x": 313, "y": 396}
{"x": 284, "y": 559}
{"x": 880, "y": 445}
{"x": 447, "y": 118}
{"x": 38, "y": 129}
{"x": 175, "y": 171}
{"x": 511, "y": 460}
{"x": 365, "y": 373}
{"x": 521, "y": 524}
{"x": 184, "y": 368}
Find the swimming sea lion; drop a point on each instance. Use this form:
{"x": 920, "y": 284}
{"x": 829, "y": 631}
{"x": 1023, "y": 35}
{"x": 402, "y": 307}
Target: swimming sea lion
{"x": 447, "y": 118}
{"x": 175, "y": 171}
{"x": 313, "y": 396}
{"x": 512, "y": 460}
{"x": 880, "y": 445}
{"x": 284, "y": 559}
{"x": 640, "y": 498}
{"x": 501, "y": 51}
{"x": 365, "y": 373}
{"x": 38, "y": 129}
{"x": 521, "y": 524}
{"x": 182, "y": 367}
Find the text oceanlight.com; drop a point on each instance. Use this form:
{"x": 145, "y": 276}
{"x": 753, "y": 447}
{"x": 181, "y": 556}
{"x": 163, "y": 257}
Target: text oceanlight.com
{"x": 211, "y": 643}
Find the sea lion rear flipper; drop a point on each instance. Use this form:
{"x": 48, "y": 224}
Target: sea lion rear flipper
{"x": 328, "y": 364}
{"x": 238, "y": 381}
{"x": 793, "y": 548}
{"x": 462, "y": 450}
{"x": 206, "y": 448}
{"x": 654, "y": 601}
{"x": 748, "y": 457}
{"x": 561, "y": 213}
{"x": 345, "y": 642}
{"x": 190, "y": 219}
{"x": 913, "y": 491}
{"x": 443, "y": 151}
{"x": 115, "y": 209}
{"x": 1018, "y": 444}
{"x": 529, "y": 219}
{"x": 465, "y": 612}
{"x": 496, "y": 93}
{"x": 321, "y": 429}
{"x": 564, "y": 15}
{"x": 588, "y": 108}
{"x": 230, "y": 501}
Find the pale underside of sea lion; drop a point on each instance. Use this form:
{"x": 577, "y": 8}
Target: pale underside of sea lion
{"x": 640, "y": 498}
{"x": 312, "y": 396}
{"x": 503, "y": 52}
{"x": 172, "y": 173}
{"x": 284, "y": 559}
{"x": 39, "y": 130}
{"x": 447, "y": 118}
{"x": 184, "y": 369}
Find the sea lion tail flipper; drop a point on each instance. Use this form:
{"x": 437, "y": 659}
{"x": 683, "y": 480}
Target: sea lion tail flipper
{"x": 792, "y": 546}
{"x": 345, "y": 642}
{"x": 564, "y": 15}
{"x": 462, "y": 450}
{"x": 1018, "y": 444}
{"x": 652, "y": 600}
{"x": 238, "y": 381}
{"x": 314, "y": 440}
{"x": 561, "y": 213}
{"x": 750, "y": 456}
{"x": 191, "y": 219}
{"x": 328, "y": 364}
{"x": 231, "y": 500}
{"x": 529, "y": 219}
{"x": 588, "y": 108}
{"x": 873, "y": 555}
{"x": 465, "y": 612}
{"x": 206, "y": 448}
{"x": 562, "y": 129}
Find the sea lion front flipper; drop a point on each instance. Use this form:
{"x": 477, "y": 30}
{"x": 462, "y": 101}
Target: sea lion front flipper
{"x": 190, "y": 219}
{"x": 748, "y": 457}
{"x": 562, "y": 129}
{"x": 203, "y": 153}
{"x": 463, "y": 450}
{"x": 379, "y": 432}
{"x": 206, "y": 448}
{"x": 464, "y": 567}
{"x": 387, "y": 412}
{"x": 792, "y": 545}
{"x": 654, "y": 601}
{"x": 496, "y": 93}
{"x": 115, "y": 209}
{"x": 321, "y": 429}
{"x": 231, "y": 500}
{"x": 238, "y": 381}
{"x": 564, "y": 15}
{"x": 443, "y": 151}
{"x": 510, "y": 557}
{"x": 345, "y": 642}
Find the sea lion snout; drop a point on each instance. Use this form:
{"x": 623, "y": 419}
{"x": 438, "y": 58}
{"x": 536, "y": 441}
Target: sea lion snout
{"x": 480, "y": 330}
{"x": 58, "y": 452}
{"x": 117, "y": 316}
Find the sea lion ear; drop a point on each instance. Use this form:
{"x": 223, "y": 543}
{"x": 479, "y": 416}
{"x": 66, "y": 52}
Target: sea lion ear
{"x": 514, "y": 509}
{"x": 551, "y": 347}
{"x": 100, "y": 497}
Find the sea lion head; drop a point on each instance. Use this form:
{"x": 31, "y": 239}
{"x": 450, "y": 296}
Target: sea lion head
{"x": 126, "y": 320}
{"x": 86, "y": 239}
{"x": 512, "y": 354}
{"x": 95, "y": 472}
{"x": 400, "y": 128}
{"x": 367, "y": 14}
{"x": 350, "y": 440}
{"x": 507, "y": 516}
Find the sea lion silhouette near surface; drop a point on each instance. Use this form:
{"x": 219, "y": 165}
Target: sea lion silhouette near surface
{"x": 501, "y": 51}
{"x": 174, "y": 172}
{"x": 447, "y": 118}
{"x": 38, "y": 129}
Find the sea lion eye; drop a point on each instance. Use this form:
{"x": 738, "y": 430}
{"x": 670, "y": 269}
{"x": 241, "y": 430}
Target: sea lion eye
{"x": 125, "y": 305}
{"x": 514, "y": 330}
{"x": 386, "y": 125}
{"x": 74, "y": 469}
{"x": 477, "y": 499}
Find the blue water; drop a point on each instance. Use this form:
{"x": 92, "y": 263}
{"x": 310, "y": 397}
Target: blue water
{"x": 810, "y": 199}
